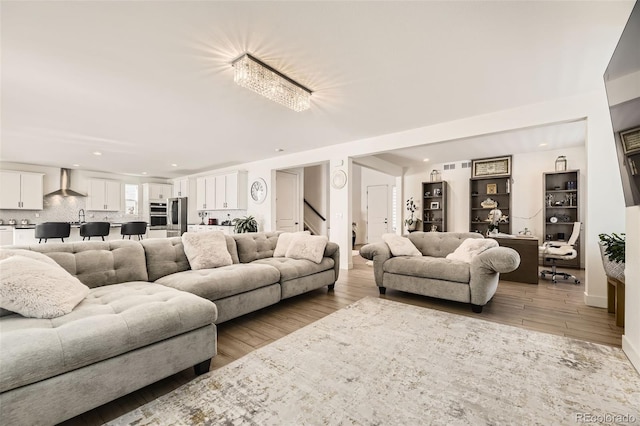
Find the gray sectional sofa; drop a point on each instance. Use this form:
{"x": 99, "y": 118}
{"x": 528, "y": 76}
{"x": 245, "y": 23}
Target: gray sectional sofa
{"x": 433, "y": 275}
{"x": 147, "y": 316}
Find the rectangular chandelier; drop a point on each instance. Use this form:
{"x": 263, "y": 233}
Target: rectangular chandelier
{"x": 254, "y": 74}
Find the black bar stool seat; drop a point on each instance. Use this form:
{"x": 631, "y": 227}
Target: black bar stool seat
{"x": 47, "y": 230}
{"x": 138, "y": 228}
{"x": 95, "y": 229}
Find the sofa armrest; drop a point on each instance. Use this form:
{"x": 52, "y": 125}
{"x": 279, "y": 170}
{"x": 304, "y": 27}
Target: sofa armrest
{"x": 379, "y": 253}
{"x": 333, "y": 251}
{"x": 485, "y": 272}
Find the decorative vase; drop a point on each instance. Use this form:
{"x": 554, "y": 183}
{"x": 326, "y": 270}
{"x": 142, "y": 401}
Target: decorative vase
{"x": 611, "y": 268}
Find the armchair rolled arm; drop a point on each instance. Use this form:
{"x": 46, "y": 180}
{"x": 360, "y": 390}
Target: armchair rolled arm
{"x": 379, "y": 253}
{"x": 333, "y": 251}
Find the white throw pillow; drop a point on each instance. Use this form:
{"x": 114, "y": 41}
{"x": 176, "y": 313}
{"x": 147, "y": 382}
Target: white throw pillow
{"x": 472, "y": 247}
{"x": 206, "y": 250}
{"x": 400, "y": 246}
{"x": 36, "y": 289}
{"x": 309, "y": 247}
{"x": 284, "y": 240}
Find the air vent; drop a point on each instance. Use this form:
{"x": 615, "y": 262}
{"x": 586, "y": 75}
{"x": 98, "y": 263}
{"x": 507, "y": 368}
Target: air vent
{"x": 466, "y": 165}
{"x": 451, "y": 166}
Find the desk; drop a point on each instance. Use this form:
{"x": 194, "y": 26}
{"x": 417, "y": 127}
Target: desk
{"x": 615, "y": 299}
{"x": 527, "y": 248}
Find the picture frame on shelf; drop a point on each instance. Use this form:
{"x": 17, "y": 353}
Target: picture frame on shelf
{"x": 489, "y": 167}
{"x": 434, "y": 205}
{"x": 630, "y": 140}
{"x": 492, "y": 188}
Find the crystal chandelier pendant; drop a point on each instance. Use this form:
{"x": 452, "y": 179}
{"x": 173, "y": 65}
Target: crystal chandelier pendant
{"x": 266, "y": 81}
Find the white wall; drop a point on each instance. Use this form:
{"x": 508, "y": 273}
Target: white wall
{"x": 527, "y": 197}
{"x": 631, "y": 338}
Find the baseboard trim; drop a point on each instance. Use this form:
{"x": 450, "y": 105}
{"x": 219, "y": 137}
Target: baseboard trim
{"x": 595, "y": 301}
{"x": 632, "y": 352}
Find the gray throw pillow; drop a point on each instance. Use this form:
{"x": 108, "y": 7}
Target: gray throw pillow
{"x": 206, "y": 250}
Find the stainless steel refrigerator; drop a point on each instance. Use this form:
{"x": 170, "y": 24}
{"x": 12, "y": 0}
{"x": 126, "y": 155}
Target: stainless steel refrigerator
{"x": 176, "y": 216}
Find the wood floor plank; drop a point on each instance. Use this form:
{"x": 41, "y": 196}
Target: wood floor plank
{"x": 556, "y": 309}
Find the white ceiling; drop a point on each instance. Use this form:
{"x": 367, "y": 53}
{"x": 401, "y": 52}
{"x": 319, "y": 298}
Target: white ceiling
{"x": 150, "y": 83}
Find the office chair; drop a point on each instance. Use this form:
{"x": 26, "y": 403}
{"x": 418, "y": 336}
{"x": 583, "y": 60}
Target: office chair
{"x": 138, "y": 228}
{"x": 94, "y": 229}
{"x": 559, "y": 250}
{"x": 48, "y": 230}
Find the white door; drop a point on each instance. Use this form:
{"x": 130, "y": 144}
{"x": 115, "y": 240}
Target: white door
{"x": 377, "y": 212}
{"x": 287, "y": 202}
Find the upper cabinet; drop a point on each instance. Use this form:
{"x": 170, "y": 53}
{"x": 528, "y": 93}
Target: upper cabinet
{"x": 157, "y": 191}
{"x": 104, "y": 195}
{"x": 181, "y": 187}
{"x": 222, "y": 192}
{"x": 21, "y": 190}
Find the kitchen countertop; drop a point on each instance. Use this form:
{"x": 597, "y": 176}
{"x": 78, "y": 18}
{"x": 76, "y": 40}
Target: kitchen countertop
{"x": 73, "y": 225}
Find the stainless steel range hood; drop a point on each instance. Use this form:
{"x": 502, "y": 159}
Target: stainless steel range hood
{"x": 64, "y": 190}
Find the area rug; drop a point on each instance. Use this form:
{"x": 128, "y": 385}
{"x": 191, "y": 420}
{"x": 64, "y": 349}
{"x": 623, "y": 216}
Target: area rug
{"x": 382, "y": 362}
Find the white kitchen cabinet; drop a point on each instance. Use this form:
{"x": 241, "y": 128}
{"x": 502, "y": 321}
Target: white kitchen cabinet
{"x": 6, "y": 235}
{"x": 227, "y": 230}
{"x": 104, "y": 195}
{"x": 21, "y": 190}
{"x": 231, "y": 191}
{"x": 22, "y": 237}
{"x": 157, "y": 191}
{"x": 206, "y": 193}
{"x": 181, "y": 187}
{"x": 222, "y": 192}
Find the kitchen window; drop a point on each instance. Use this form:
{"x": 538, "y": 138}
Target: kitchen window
{"x": 131, "y": 198}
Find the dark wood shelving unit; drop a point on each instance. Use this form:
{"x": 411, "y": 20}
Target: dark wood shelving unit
{"x": 478, "y": 192}
{"x": 434, "y": 192}
{"x": 563, "y": 188}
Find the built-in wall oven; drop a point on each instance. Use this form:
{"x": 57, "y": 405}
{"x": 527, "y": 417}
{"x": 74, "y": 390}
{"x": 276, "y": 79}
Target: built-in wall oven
{"x": 157, "y": 215}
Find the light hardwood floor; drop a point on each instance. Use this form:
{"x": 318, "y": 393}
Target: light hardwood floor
{"x": 557, "y": 309}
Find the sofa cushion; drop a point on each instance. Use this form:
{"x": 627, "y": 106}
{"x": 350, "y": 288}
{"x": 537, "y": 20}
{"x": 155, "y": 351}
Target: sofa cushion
{"x": 470, "y": 248}
{"x": 296, "y": 268}
{"x": 256, "y": 245}
{"x": 429, "y": 267}
{"x": 36, "y": 289}
{"x": 166, "y": 256}
{"x": 284, "y": 240}
{"x": 6, "y": 253}
{"x": 439, "y": 244}
{"x": 400, "y": 246}
{"x": 98, "y": 263}
{"x": 307, "y": 247}
{"x": 110, "y": 321}
{"x": 214, "y": 284}
{"x": 206, "y": 249}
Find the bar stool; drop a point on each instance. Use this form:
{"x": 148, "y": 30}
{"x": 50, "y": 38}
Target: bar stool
{"x": 48, "y": 230}
{"x": 94, "y": 229}
{"x": 138, "y": 228}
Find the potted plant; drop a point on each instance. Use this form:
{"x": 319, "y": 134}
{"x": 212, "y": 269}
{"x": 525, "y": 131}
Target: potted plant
{"x": 245, "y": 224}
{"x": 612, "y": 249}
{"x": 411, "y": 223}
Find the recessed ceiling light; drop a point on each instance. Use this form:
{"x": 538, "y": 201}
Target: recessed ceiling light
{"x": 174, "y": 165}
{"x": 543, "y": 144}
{"x": 144, "y": 173}
{"x": 425, "y": 160}
{"x": 76, "y": 165}
{"x": 279, "y": 149}
{"x": 98, "y": 153}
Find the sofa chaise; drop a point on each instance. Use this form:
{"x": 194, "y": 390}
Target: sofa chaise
{"x": 148, "y": 315}
{"x": 430, "y": 273}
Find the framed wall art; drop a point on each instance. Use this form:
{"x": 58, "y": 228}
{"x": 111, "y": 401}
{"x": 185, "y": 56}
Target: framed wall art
{"x": 492, "y": 188}
{"x": 631, "y": 140}
{"x": 435, "y": 205}
{"x": 487, "y": 167}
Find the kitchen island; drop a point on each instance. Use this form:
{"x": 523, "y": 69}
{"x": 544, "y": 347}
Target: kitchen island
{"x": 25, "y": 234}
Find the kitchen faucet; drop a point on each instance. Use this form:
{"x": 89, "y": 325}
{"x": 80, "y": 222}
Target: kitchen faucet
{"x": 81, "y": 217}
